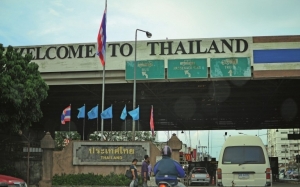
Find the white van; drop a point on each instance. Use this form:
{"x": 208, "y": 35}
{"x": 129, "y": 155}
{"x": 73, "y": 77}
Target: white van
{"x": 244, "y": 161}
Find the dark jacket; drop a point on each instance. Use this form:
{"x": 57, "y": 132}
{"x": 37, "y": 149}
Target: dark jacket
{"x": 168, "y": 170}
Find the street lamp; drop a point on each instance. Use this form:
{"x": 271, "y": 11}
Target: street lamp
{"x": 148, "y": 34}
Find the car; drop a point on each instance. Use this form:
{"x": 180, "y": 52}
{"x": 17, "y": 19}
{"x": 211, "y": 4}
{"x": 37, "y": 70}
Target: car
{"x": 244, "y": 161}
{"x": 198, "y": 175}
{"x": 294, "y": 175}
{"x": 13, "y": 181}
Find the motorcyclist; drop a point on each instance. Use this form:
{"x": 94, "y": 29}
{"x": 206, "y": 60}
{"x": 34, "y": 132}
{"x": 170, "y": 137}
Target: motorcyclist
{"x": 168, "y": 169}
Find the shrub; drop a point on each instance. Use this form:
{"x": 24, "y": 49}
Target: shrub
{"x": 90, "y": 179}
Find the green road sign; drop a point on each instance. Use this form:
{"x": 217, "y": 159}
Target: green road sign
{"x": 187, "y": 68}
{"x": 145, "y": 70}
{"x": 230, "y": 67}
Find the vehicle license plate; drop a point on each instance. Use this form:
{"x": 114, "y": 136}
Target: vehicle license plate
{"x": 243, "y": 176}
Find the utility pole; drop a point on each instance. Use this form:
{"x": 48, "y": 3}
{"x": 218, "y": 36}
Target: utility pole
{"x": 208, "y": 147}
{"x": 285, "y": 158}
{"x": 202, "y": 155}
{"x": 298, "y": 151}
{"x": 199, "y": 158}
{"x": 190, "y": 139}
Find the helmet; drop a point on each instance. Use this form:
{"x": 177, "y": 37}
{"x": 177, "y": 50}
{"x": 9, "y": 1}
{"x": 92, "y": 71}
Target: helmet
{"x": 166, "y": 151}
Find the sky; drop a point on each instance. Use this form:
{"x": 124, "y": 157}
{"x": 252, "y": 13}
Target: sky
{"x": 40, "y": 22}
{"x": 44, "y": 22}
{"x": 214, "y": 139}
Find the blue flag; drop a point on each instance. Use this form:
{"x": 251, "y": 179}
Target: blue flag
{"x": 92, "y": 114}
{"x": 107, "y": 114}
{"x": 135, "y": 114}
{"x": 124, "y": 113}
{"x": 81, "y": 113}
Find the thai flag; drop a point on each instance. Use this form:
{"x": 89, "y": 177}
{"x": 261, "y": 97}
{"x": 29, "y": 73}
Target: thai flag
{"x": 151, "y": 121}
{"x": 66, "y": 115}
{"x": 102, "y": 38}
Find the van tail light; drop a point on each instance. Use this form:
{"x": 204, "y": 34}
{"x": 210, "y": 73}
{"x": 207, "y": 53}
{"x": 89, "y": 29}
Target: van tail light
{"x": 193, "y": 175}
{"x": 219, "y": 173}
{"x": 207, "y": 175}
{"x": 268, "y": 173}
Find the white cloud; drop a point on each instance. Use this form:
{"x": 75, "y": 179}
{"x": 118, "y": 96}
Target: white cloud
{"x": 53, "y": 12}
{"x": 58, "y": 3}
{"x": 78, "y": 21}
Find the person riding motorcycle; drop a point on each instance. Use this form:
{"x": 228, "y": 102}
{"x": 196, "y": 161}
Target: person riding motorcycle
{"x": 167, "y": 169}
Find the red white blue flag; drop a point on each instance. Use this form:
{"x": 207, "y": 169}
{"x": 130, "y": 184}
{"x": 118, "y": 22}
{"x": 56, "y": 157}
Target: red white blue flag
{"x": 66, "y": 115}
{"x": 101, "y": 39}
{"x": 152, "y": 121}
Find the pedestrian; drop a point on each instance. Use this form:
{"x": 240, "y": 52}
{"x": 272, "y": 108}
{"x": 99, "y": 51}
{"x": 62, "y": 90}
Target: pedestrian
{"x": 167, "y": 169}
{"x": 134, "y": 181}
{"x": 149, "y": 169}
{"x": 144, "y": 170}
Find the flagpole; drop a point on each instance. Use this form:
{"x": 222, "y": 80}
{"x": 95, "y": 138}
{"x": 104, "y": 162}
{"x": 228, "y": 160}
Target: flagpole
{"x": 97, "y": 118}
{"x": 103, "y": 83}
{"x": 103, "y": 92}
{"x": 111, "y": 122}
{"x": 83, "y": 124}
{"x": 125, "y": 118}
{"x": 125, "y": 127}
{"x": 125, "y": 122}
{"x": 139, "y": 120}
{"x": 70, "y": 122}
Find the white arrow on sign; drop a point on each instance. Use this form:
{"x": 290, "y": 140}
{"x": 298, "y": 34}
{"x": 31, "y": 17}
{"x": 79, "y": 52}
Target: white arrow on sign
{"x": 145, "y": 74}
{"x": 186, "y": 72}
{"x": 230, "y": 73}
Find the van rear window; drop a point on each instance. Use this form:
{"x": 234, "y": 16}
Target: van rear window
{"x": 243, "y": 155}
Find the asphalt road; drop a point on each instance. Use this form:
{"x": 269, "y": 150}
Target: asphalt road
{"x": 275, "y": 184}
{"x": 285, "y": 183}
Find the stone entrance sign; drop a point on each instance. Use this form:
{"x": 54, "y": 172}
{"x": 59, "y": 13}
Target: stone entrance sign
{"x": 109, "y": 153}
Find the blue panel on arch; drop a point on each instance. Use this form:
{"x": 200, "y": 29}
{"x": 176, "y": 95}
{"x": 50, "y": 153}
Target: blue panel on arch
{"x": 276, "y": 56}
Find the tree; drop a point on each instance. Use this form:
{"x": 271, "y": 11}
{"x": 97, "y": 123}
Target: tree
{"x": 62, "y": 136}
{"x": 122, "y": 136}
{"x": 22, "y": 89}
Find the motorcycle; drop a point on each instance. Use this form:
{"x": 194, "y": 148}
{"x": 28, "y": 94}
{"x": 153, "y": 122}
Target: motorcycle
{"x": 164, "y": 184}
{"x": 167, "y": 184}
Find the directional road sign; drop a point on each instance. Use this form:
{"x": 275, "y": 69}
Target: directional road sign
{"x": 187, "y": 68}
{"x": 230, "y": 67}
{"x": 145, "y": 70}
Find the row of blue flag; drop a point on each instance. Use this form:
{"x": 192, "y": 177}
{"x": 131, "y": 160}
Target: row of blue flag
{"x": 93, "y": 113}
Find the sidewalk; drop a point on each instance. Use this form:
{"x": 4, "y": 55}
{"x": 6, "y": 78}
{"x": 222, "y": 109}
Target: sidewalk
{"x": 293, "y": 181}
{"x": 152, "y": 182}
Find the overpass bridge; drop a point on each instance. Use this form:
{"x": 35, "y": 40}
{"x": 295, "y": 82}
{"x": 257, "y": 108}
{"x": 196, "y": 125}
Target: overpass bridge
{"x": 193, "y": 84}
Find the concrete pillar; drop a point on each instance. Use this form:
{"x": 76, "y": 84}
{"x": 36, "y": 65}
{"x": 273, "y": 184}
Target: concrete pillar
{"x": 47, "y": 145}
{"x": 176, "y": 146}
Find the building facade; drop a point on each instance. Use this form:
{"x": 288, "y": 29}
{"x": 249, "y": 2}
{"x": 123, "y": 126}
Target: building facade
{"x": 279, "y": 146}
